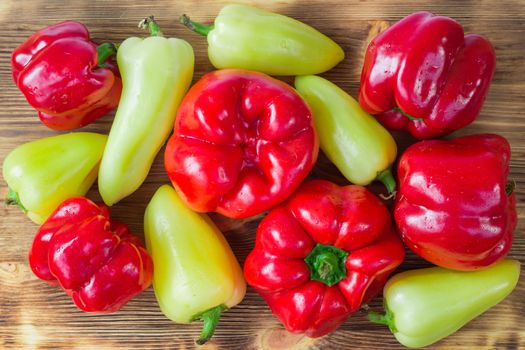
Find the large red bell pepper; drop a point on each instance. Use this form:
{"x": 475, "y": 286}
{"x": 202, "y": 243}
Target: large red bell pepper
{"x": 425, "y": 67}
{"x": 67, "y": 77}
{"x": 454, "y": 206}
{"x": 322, "y": 254}
{"x": 242, "y": 143}
{"x": 98, "y": 262}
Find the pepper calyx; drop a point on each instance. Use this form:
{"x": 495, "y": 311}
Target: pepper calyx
{"x": 198, "y": 28}
{"x": 12, "y": 198}
{"x": 210, "y": 319}
{"x": 397, "y": 109}
{"x": 386, "y": 319}
{"x": 387, "y": 178}
{"x": 510, "y": 186}
{"x": 104, "y": 52}
{"x": 152, "y": 26}
{"x": 327, "y": 264}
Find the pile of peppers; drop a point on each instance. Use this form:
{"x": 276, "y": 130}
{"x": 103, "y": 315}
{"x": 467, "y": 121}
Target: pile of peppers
{"x": 242, "y": 144}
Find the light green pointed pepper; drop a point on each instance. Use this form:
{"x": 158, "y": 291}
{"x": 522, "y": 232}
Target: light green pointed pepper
{"x": 426, "y": 305}
{"x": 251, "y": 38}
{"x": 353, "y": 140}
{"x": 156, "y": 73}
{"x": 196, "y": 275}
{"x": 42, "y": 174}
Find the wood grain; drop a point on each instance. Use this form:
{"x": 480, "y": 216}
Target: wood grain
{"x": 36, "y": 316}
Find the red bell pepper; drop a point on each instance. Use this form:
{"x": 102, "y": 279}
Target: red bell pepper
{"x": 454, "y": 206}
{"x": 425, "y": 75}
{"x": 321, "y": 254}
{"x": 242, "y": 143}
{"x": 98, "y": 262}
{"x": 67, "y": 77}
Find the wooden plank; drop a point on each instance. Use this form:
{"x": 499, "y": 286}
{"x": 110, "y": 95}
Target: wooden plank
{"x": 36, "y": 316}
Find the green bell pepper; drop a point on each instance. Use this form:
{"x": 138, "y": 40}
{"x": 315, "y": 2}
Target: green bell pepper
{"x": 250, "y": 38}
{"x": 156, "y": 73}
{"x": 426, "y": 305}
{"x": 42, "y": 174}
{"x": 352, "y": 139}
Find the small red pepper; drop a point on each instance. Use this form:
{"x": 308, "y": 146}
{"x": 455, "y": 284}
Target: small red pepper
{"x": 423, "y": 74}
{"x": 98, "y": 262}
{"x": 454, "y": 206}
{"x": 242, "y": 143}
{"x": 322, "y": 254}
{"x": 67, "y": 77}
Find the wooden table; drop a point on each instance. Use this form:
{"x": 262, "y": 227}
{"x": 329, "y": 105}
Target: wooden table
{"x": 36, "y": 316}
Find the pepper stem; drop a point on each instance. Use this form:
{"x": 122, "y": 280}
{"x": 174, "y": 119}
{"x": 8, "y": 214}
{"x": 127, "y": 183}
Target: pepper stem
{"x": 150, "y": 24}
{"x": 199, "y": 28}
{"x": 397, "y": 109}
{"x": 12, "y": 198}
{"x": 211, "y": 320}
{"x": 509, "y": 187}
{"x": 386, "y": 319}
{"x": 105, "y": 51}
{"x": 388, "y": 180}
{"x": 327, "y": 264}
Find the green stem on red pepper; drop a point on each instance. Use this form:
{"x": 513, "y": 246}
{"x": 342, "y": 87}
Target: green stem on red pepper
{"x": 397, "y": 109}
{"x": 198, "y": 28}
{"x": 150, "y": 24}
{"x": 327, "y": 264}
{"x": 210, "y": 319}
{"x": 509, "y": 187}
{"x": 105, "y": 51}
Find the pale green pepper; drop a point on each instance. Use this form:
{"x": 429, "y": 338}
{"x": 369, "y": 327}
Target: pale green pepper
{"x": 42, "y": 174}
{"x": 251, "y": 38}
{"x": 426, "y": 305}
{"x": 351, "y": 138}
{"x": 196, "y": 275}
{"x": 156, "y": 73}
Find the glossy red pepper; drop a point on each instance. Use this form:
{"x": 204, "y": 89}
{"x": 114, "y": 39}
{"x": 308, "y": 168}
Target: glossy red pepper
{"x": 321, "y": 254}
{"x": 98, "y": 262}
{"x": 67, "y": 77}
{"x": 242, "y": 143}
{"x": 454, "y": 206}
{"x": 425, "y": 67}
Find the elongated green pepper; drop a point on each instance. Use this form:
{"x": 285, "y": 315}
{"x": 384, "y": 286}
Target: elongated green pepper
{"x": 156, "y": 73}
{"x": 352, "y": 139}
{"x": 42, "y": 174}
{"x": 196, "y": 275}
{"x": 250, "y": 38}
{"x": 426, "y": 305}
